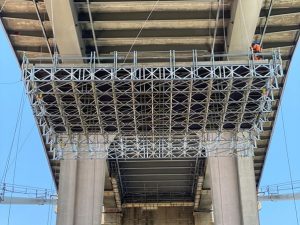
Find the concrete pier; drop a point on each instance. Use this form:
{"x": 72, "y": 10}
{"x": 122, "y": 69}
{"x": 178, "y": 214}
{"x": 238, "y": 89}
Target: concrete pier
{"x": 81, "y": 190}
{"x": 67, "y": 192}
{"x": 233, "y": 191}
{"x": 225, "y": 190}
{"x": 247, "y": 189}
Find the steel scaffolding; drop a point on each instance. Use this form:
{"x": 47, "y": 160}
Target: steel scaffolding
{"x": 153, "y": 110}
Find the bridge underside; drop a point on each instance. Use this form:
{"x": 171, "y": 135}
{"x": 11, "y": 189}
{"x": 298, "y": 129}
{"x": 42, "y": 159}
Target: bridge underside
{"x": 106, "y": 26}
{"x": 160, "y": 112}
{"x": 174, "y": 25}
{"x": 163, "y": 121}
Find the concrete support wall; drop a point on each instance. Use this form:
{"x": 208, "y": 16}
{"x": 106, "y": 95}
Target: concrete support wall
{"x": 241, "y": 29}
{"x": 159, "y": 216}
{"x": 248, "y": 194}
{"x": 67, "y": 190}
{"x": 81, "y": 188}
{"x": 225, "y": 190}
{"x": 233, "y": 191}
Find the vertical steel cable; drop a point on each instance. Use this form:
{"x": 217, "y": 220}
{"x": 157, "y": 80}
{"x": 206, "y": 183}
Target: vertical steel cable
{"x": 92, "y": 27}
{"x": 53, "y": 30}
{"x": 289, "y": 166}
{"x": 224, "y": 30}
{"x": 266, "y": 22}
{"x": 3, "y": 5}
{"x": 140, "y": 31}
{"x": 3, "y": 178}
{"x": 19, "y": 125}
{"x": 216, "y": 25}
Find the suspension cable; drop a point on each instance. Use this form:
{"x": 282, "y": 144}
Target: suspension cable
{"x": 216, "y": 25}
{"x": 16, "y": 155}
{"x": 92, "y": 27}
{"x": 224, "y": 30}
{"x": 23, "y": 143}
{"x": 42, "y": 26}
{"x": 140, "y": 31}
{"x": 266, "y": 22}
{"x": 244, "y": 21}
{"x": 9, "y": 83}
{"x": 53, "y": 29}
{"x": 3, "y": 5}
{"x": 3, "y": 178}
{"x": 289, "y": 166}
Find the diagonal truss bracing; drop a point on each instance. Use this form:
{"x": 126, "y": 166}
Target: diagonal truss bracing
{"x": 155, "y": 110}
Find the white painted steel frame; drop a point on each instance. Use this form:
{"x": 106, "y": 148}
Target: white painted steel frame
{"x": 154, "y": 111}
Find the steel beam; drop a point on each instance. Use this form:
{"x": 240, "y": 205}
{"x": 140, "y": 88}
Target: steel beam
{"x": 42, "y": 201}
{"x": 279, "y": 197}
{"x": 27, "y": 201}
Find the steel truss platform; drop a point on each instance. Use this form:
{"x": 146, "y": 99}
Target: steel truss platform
{"x": 152, "y": 110}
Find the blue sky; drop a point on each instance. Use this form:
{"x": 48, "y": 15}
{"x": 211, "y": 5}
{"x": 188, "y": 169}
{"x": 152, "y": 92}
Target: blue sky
{"x": 32, "y": 168}
{"x": 276, "y": 167}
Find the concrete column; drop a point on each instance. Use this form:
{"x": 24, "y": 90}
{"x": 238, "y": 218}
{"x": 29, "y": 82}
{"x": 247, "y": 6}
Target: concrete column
{"x": 232, "y": 181}
{"x": 248, "y": 194}
{"x": 63, "y": 17}
{"x": 202, "y": 218}
{"x": 82, "y": 180}
{"x": 243, "y": 21}
{"x": 81, "y": 191}
{"x": 241, "y": 29}
{"x": 89, "y": 192}
{"x": 225, "y": 190}
{"x": 233, "y": 190}
{"x": 66, "y": 193}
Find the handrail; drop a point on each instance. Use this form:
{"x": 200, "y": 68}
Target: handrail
{"x": 157, "y": 56}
